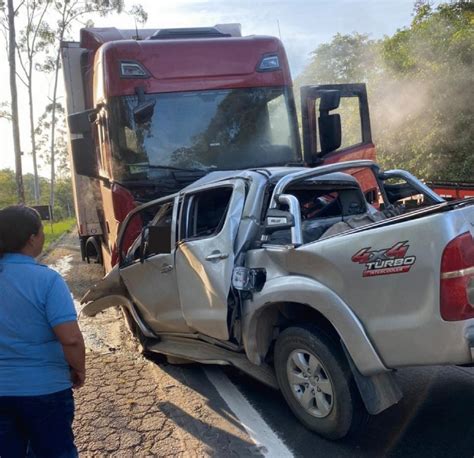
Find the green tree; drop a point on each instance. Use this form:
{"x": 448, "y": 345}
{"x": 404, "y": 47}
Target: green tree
{"x": 7, "y": 23}
{"x": 67, "y": 13}
{"x": 7, "y": 188}
{"x": 64, "y": 207}
{"x": 32, "y": 42}
{"x": 420, "y": 84}
{"x": 430, "y": 70}
{"x": 346, "y": 59}
{"x": 43, "y": 129}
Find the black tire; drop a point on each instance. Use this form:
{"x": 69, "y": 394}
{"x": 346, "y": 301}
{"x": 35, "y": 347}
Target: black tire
{"x": 342, "y": 411}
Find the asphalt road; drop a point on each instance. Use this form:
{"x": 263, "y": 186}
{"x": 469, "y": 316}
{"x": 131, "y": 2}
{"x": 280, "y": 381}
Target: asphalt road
{"x": 434, "y": 419}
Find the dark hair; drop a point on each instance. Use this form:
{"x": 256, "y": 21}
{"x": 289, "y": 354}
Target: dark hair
{"x": 17, "y": 224}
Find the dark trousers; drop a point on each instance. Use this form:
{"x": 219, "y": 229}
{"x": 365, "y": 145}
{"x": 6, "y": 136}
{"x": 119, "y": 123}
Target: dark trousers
{"x": 39, "y": 424}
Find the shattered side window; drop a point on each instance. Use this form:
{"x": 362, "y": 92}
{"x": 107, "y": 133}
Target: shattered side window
{"x": 158, "y": 238}
{"x": 159, "y": 217}
{"x": 207, "y": 212}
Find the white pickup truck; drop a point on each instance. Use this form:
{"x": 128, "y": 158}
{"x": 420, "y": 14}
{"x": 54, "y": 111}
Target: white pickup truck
{"x": 298, "y": 278}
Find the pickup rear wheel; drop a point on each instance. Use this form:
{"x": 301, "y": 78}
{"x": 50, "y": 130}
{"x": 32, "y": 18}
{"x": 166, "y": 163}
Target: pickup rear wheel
{"x": 317, "y": 383}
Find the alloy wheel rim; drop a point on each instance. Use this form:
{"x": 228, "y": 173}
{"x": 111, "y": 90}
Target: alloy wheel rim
{"x": 310, "y": 383}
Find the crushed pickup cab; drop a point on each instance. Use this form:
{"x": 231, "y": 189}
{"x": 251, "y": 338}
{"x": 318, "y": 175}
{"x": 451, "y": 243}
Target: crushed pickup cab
{"x": 320, "y": 282}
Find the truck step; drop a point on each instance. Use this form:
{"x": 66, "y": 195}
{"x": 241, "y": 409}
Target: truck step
{"x": 205, "y": 353}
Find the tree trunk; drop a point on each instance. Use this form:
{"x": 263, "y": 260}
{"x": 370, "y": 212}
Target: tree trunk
{"x": 14, "y": 97}
{"x": 53, "y": 127}
{"x": 33, "y": 138}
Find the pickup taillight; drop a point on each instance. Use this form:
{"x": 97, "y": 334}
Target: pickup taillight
{"x": 457, "y": 279}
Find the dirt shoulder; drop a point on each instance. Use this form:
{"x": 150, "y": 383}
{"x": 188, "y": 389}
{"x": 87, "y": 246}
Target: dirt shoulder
{"x": 131, "y": 406}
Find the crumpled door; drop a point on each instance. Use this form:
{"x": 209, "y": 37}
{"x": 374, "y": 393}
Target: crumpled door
{"x": 204, "y": 268}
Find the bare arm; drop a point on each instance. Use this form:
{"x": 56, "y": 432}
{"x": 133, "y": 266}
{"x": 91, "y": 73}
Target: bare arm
{"x": 70, "y": 337}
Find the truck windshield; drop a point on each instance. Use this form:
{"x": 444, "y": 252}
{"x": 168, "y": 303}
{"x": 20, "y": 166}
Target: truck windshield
{"x": 204, "y": 130}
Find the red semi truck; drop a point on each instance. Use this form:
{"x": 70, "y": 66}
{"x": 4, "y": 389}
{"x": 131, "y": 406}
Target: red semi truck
{"x": 150, "y": 111}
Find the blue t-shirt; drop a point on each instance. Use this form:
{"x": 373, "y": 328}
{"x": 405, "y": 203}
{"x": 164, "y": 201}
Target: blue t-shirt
{"x": 33, "y": 299}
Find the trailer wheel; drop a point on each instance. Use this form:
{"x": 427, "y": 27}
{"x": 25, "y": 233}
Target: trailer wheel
{"x": 93, "y": 250}
{"x": 317, "y": 382}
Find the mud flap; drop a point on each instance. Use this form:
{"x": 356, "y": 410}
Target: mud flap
{"x": 379, "y": 391}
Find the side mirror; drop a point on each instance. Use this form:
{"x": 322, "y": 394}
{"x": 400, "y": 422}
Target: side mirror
{"x": 330, "y": 134}
{"x": 330, "y": 100}
{"x": 144, "y": 112}
{"x": 83, "y": 148}
{"x": 277, "y": 220}
{"x": 84, "y": 156}
{"x": 80, "y": 123}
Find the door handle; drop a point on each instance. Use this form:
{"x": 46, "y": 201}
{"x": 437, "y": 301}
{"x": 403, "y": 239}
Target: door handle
{"x": 217, "y": 256}
{"x": 165, "y": 268}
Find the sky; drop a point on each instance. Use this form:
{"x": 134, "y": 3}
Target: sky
{"x": 302, "y": 25}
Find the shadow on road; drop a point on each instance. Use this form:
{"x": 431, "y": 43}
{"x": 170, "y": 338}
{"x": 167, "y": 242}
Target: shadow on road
{"x": 434, "y": 419}
{"x": 219, "y": 442}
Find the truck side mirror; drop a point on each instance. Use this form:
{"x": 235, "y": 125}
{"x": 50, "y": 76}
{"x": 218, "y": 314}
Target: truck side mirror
{"x": 82, "y": 148}
{"x": 330, "y": 100}
{"x": 144, "y": 112}
{"x": 278, "y": 220}
{"x": 330, "y": 134}
{"x": 80, "y": 123}
{"x": 329, "y": 124}
{"x": 83, "y": 156}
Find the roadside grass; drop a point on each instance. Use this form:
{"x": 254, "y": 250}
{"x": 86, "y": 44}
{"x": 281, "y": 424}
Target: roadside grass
{"x": 58, "y": 229}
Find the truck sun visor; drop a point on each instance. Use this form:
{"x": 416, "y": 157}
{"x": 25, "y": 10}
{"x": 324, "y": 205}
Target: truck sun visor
{"x": 131, "y": 69}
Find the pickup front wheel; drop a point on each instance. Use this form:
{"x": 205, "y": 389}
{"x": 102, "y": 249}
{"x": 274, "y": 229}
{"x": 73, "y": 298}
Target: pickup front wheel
{"x": 317, "y": 383}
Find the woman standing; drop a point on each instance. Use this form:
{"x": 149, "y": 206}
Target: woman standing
{"x": 42, "y": 354}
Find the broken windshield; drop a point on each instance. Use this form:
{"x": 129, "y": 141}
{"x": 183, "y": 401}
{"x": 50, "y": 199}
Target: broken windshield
{"x": 205, "y": 130}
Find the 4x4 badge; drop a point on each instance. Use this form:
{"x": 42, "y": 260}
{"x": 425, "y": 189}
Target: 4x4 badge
{"x": 386, "y": 261}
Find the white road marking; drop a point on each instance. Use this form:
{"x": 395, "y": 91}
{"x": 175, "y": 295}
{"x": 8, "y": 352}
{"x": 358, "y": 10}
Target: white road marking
{"x": 270, "y": 444}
